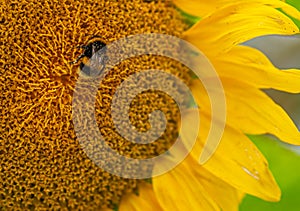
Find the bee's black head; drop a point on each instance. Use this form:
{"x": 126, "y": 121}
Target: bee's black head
{"x": 93, "y": 47}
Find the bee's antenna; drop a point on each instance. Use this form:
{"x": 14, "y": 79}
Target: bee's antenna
{"x": 76, "y": 60}
{"x": 94, "y": 36}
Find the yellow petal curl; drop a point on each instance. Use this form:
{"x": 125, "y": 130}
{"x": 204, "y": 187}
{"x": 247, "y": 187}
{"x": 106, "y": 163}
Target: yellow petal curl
{"x": 180, "y": 189}
{"x": 256, "y": 113}
{"x": 200, "y": 8}
{"x": 145, "y": 200}
{"x": 216, "y": 187}
{"x": 220, "y": 31}
{"x": 236, "y": 161}
{"x": 251, "y": 111}
{"x": 249, "y": 65}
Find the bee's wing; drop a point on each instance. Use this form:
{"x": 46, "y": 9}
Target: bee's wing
{"x": 97, "y": 62}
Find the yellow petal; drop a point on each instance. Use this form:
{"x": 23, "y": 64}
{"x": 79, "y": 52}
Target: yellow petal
{"x": 198, "y": 8}
{"x": 256, "y": 113}
{"x": 226, "y": 196}
{"x": 241, "y": 195}
{"x": 180, "y": 189}
{"x": 251, "y": 66}
{"x": 251, "y": 110}
{"x": 145, "y": 200}
{"x": 236, "y": 161}
{"x": 201, "y": 8}
{"x": 237, "y": 23}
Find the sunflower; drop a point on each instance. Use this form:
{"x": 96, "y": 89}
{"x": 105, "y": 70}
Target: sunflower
{"x": 44, "y": 167}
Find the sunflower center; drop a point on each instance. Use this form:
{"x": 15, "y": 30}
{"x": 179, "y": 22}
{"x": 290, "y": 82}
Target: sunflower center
{"x": 44, "y": 165}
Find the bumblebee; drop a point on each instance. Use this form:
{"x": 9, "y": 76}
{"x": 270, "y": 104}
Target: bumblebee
{"x": 93, "y": 57}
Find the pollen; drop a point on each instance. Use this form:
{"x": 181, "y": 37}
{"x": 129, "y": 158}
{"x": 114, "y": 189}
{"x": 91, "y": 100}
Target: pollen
{"x": 42, "y": 163}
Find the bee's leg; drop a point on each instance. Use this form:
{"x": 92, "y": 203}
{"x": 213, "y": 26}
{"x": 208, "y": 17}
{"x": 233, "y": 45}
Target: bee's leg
{"x": 78, "y": 58}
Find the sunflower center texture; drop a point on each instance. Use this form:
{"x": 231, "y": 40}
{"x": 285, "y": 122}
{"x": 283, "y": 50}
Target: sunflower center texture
{"x": 43, "y": 165}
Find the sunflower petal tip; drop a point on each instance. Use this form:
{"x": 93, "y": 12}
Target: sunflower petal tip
{"x": 275, "y": 195}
